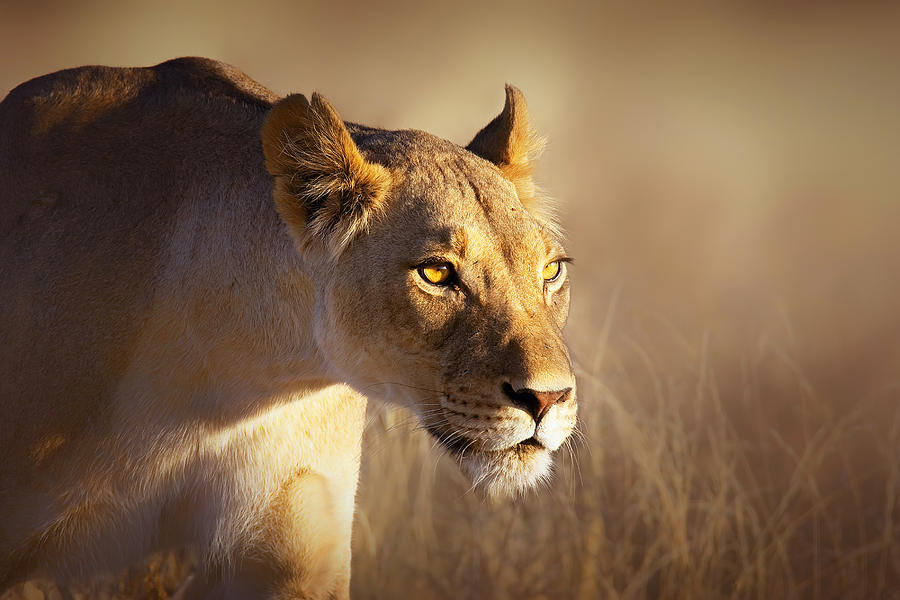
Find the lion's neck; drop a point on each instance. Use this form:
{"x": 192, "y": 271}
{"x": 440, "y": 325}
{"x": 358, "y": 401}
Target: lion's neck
{"x": 245, "y": 301}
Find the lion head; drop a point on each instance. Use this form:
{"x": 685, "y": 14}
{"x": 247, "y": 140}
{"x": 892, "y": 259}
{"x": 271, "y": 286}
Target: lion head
{"x": 438, "y": 274}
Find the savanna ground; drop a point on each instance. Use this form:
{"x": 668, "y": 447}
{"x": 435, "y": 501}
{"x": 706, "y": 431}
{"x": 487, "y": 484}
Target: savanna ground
{"x": 729, "y": 182}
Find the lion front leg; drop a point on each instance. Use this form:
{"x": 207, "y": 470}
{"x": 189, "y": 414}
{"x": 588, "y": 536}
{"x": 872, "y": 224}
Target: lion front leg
{"x": 314, "y": 531}
{"x": 296, "y": 544}
{"x": 303, "y": 551}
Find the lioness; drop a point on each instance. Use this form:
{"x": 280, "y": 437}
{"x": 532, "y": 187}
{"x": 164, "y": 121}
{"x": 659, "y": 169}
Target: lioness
{"x": 199, "y": 285}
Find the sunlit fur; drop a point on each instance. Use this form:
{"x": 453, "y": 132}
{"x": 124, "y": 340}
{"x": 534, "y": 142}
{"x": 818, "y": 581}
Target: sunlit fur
{"x": 200, "y": 284}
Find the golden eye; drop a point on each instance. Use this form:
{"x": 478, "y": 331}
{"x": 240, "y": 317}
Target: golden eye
{"x": 551, "y": 271}
{"x": 438, "y": 274}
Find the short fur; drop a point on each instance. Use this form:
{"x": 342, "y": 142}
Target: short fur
{"x": 182, "y": 364}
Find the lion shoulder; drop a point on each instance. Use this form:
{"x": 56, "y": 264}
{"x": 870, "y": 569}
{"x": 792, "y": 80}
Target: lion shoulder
{"x": 107, "y": 176}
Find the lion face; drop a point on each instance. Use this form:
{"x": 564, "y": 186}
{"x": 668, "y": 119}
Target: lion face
{"x": 452, "y": 294}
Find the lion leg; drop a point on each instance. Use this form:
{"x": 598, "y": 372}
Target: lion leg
{"x": 304, "y": 551}
{"x": 314, "y": 539}
{"x": 300, "y": 545}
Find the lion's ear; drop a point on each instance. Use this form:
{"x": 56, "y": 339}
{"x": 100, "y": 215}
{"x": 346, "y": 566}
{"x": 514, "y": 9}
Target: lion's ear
{"x": 324, "y": 188}
{"x": 510, "y": 143}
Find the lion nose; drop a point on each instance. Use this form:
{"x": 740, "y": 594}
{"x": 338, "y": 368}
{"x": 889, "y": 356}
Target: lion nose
{"x": 535, "y": 402}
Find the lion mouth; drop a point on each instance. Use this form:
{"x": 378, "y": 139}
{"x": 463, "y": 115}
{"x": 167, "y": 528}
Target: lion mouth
{"x": 458, "y": 445}
{"x": 530, "y": 442}
{"x": 501, "y": 473}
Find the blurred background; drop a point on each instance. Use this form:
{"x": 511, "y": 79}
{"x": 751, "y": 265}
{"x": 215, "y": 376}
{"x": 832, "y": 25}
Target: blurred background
{"x": 729, "y": 177}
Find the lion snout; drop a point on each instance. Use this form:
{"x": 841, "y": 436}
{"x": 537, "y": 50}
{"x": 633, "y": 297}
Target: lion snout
{"x": 536, "y": 403}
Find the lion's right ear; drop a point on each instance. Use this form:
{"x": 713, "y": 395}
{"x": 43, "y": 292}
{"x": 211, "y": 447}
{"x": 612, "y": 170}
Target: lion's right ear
{"x": 324, "y": 188}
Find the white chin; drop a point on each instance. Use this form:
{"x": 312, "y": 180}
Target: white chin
{"x": 507, "y": 473}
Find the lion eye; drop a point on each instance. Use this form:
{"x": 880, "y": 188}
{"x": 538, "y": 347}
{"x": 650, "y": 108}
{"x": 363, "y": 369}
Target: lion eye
{"x": 437, "y": 274}
{"x": 551, "y": 270}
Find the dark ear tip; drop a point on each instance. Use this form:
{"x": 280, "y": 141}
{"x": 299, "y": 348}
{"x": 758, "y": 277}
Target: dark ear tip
{"x": 290, "y": 104}
{"x": 514, "y": 95}
{"x": 281, "y": 120}
{"x": 319, "y": 101}
{"x": 321, "y": 106}
{"x": 515, "y": 105}
{"x": 295, "y": 98}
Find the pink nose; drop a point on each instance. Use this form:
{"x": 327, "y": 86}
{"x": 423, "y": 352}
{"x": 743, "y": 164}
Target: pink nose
{"x": 535, "y": 402}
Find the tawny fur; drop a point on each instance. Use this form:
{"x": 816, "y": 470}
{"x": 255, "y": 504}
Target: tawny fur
{"x": 199, "y": 282}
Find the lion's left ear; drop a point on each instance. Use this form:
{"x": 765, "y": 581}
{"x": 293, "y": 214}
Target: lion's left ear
{"x": 510, "y": 143}
{"x": 325, "y": 190}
